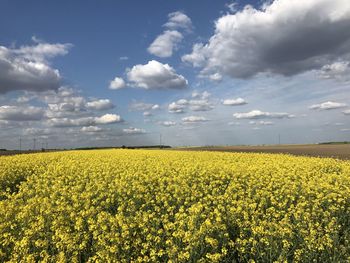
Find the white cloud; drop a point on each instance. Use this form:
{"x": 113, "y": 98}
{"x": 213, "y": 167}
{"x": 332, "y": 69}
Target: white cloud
{"x": 155, "y": 75}
{"x": 168, "y": 123}
{"x": 215, "y": 77}
{"x": 27, "y": 68}
{"x": 21, "y": 113}
{"x": 284, "y": 37}
{"x": 261, "y": 123}
{"x": 91, "y": 129}
{"x": 85, "y": 121}
{"x": 132, "y": 130}
{"x": 155, "y": 107}
{"x": 257, "y": 114}
{"x": 123, "y": 58}
{"x": 117, "y": 83}
{"x": 64, "y": 105}
{"x": 347, "y": 112}
{"x": 175, "y": 107}
{"x": 339, "y": 70}
{"x": 165, "y": 43}
{"x": 234, "y": 102}
{"x": 101, "y": 104}
{"x": 233, "y": 7}
{"x": 201, "y": 95}
{"x": 107, "y": 119}
{"x": 41, "y": 52}
{"x": 328, "y": 105}
{"x": 194, "y": 119}
{"x": 142, "y": 106}
{"x": 233, "y": 123}
{"x": 200, "y": 105}
{"x": 197, "y": 58}
{"x": 179, "y": 20}
{"x": 147, "y": 113}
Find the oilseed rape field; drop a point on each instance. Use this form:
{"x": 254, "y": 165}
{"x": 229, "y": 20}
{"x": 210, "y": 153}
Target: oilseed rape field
{"x": 173, "y": 206}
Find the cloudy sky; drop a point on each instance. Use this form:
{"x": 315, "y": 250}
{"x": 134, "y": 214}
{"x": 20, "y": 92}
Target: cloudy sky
{"x": 87, "y": 73}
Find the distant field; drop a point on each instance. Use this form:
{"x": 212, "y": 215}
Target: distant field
{"x": 340, "y": 151}
{"x": 13, "y": 152}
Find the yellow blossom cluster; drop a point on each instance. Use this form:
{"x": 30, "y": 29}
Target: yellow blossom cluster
{"x": 173, "y": 206}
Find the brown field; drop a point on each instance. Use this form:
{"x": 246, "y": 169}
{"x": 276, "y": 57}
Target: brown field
{"x": 13, "y": 152}
{"x": 340, "y": 151}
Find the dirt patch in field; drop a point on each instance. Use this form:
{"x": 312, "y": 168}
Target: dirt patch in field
{"x": 340, "y": 151}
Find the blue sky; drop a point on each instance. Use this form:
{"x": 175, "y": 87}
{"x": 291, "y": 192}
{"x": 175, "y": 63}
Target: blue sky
{"x": 87, "y": 73}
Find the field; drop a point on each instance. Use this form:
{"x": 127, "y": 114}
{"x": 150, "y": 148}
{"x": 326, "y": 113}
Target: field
{"x": 340, "y": 151}
{"x": 173, "y": 206}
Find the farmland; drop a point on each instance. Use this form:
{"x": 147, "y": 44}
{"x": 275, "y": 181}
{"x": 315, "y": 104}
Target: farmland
{"x": 173, "y": 206}
{"x": 339, "y": 151}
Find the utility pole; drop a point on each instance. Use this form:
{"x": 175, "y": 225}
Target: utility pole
{"x": 160, "y": 140}
{"x": 279, "y": 138}
{"x": 34, "y": 141}
{"x": 20, "y": 143}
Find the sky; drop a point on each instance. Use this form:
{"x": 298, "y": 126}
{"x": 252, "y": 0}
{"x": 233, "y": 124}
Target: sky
{"x": 111, "y": 73}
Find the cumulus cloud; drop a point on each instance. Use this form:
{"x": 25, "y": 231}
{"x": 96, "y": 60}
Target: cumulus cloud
{"x": 132, "y": 130}
{"x": 234, "y": 102}
{"x": 200, "y": 105}
{"x": 197, "y": 58}
{"x": 155, "y": 75}
{"x": 21, "y": 113}
{"x": 328, "y": 105}
{"x": 178, "y": 20}
{"x": 283, "y": 37}
{"x": 101, "y": 104}
{"x": 257, "y": 114}
{"x": 42, "y": 51}
{"x": 176, "y": 107}
{"x": 339, "y": 70}
{"x": 201, "y": 95}
{"x": 117, "y": 83}
{"x": 194, "y": 119}
{"x": 165, "y": 43}
{"x": 27, "y": 68}
{"x": 85, "y": 121}
{"x": 199, "y": 102}
{"x": 67, "y": 102}
{"x": 107, "y": 119}
{"x": 346, "y": 112}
